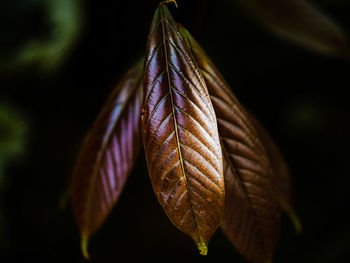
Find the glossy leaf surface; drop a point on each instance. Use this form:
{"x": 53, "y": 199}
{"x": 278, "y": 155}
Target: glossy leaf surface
{"x": 180, "y": 134}
{"x": 252, "y": 213}
{"x": 299, "y": 21}
{"x": 108, "y": 155}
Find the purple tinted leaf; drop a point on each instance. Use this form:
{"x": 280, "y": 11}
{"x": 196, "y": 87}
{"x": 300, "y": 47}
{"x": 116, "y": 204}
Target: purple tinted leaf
{"x": 107, "y": 155}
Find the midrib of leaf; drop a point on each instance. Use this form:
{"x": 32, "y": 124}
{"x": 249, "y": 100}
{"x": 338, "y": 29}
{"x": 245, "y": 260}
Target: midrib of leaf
{"x": 101, "y": 156}
{"x": 177, "y": 134}
{"x": 244, "y": 190}
{"x": 247, "y": 125}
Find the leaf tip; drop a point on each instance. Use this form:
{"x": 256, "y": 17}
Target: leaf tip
{"x": 293, "y": 217}
{"x": 296, "y": 222}
{"x": 203, "y": 248}
{"x": 84, "y": 247}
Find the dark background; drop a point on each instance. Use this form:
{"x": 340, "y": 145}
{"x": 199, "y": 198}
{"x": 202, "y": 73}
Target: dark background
{"x": 47, "y": 105}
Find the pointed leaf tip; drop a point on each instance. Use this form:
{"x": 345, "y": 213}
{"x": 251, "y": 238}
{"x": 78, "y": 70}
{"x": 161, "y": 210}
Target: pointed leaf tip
{"x": 252, "y": 226}
{"x": 98, "y": 180}
{"x": 292, "y": 216}
{"x": 296, "y": 222}
{"x": 203, "y": 248}
{"x": 84, "y": 247}
{"x": 180, "y": 137}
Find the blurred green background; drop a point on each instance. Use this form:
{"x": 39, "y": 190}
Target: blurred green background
{"x": 59, "y": 59}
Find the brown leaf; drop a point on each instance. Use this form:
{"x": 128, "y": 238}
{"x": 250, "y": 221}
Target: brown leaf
{"x": 180, "y": 134}
{"x": 277, "y": 161}
{"x": 252, "y": 214}
{"x": 107, "y": 156}
{"x": 299, "y": 21}
{"x": 281, "y": 172}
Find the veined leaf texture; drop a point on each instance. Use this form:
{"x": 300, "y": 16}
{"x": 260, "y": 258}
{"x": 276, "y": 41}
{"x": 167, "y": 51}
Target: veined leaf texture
{"x": 252, "y": 213}
{"x": 180, "y": 135}
{"x": 107, "y": 155}
{"x": 280, "y": 171}
{"x": 211, "y": 163}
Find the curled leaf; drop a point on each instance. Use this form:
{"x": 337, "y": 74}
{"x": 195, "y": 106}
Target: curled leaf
{"x": 180, "y": 135}
{"x": 299, "y": 21}
{"x": 252, "y": 213}
{"x": 107, "y": 156}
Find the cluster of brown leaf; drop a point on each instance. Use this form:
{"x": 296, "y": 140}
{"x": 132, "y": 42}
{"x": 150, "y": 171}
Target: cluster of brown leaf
{"x": 211, "y": 163}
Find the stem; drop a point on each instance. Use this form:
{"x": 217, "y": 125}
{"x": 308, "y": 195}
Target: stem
{"x": 167, "y": 2}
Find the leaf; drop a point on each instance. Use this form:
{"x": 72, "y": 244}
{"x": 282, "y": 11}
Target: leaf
{"x": 107, "y": 156}
{"x": 180, "y": 134}
{"x": 281, "y": 172}
{"x": 299, "y": 21}
{"x": 252, "y": 214}
{"x": 280, "y": 169}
